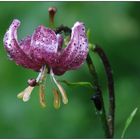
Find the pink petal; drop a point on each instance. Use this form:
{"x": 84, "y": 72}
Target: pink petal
{"x": 25, "y": 45}
{"x": 60, "y": 42}
{"x": 14, "y": 51}
{"x": 58, "y": 70}
{"x": 76, "y": 51}
{"x": 45, "y": 45}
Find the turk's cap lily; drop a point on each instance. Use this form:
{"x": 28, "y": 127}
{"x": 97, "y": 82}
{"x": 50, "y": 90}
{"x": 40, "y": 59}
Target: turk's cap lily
{"x": 44, "y": 47}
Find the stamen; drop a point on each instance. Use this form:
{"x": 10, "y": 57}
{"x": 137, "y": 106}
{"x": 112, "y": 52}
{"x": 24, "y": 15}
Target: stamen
{"x": 56, "y": 102}
{"x": 25, "y": 95}
{"x": 62, "y": 91}
{"x": 42, "y": 75}
{"x": 40, "y": 80}
{"x": 42, "y": 95}
{"x": 20, "y": 95}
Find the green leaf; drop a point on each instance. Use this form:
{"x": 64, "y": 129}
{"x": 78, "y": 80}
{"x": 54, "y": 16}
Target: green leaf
{"x": 87, "y": 84}
{"x": 128, "y": 122}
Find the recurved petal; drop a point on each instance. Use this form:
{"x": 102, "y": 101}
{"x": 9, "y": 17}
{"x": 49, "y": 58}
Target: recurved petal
{"x": 45, "y": 45}
{"x": 13, "y": 49}
{"x": 10, "y": 37}
{"x": 25, "y": 45}
{"x": 76, "y": 51}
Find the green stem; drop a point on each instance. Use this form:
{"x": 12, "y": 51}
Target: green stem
{"x": 98, "y": 91}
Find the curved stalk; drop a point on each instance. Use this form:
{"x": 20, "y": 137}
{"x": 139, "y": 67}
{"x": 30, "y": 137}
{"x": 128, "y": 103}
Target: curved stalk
{"x": 109, "y": 74}
{"x": 98, "y": 91}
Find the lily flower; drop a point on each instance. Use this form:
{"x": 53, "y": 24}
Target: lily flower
{"x": 45, "y": 48}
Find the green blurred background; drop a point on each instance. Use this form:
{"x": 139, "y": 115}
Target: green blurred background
{"x": 116, "y": 27}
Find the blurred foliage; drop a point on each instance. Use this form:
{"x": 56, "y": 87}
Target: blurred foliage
{"x": 116, "y": 27}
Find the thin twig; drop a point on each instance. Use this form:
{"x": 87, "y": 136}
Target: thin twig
{"x": 99, "y": 92}
{"x": 110, "y": 79}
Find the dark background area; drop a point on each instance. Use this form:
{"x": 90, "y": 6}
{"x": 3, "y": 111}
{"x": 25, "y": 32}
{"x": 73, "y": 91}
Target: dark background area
{"x": 116, "y": 27}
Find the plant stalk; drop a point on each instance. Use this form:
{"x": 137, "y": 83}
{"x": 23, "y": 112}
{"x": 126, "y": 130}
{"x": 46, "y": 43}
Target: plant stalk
{"x": 98, "y": 91}
{"x": 109, "y": 74}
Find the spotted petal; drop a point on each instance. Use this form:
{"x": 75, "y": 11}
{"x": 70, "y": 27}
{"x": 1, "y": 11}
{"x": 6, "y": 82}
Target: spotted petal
{"x": 76, "y": 51}
{"x": 13, "y": 48}
{"x": 45, "y": 45}
{"x": 25, "y": 45}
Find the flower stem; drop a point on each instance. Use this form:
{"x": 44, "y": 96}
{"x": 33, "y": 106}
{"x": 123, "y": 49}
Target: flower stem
{"x": 98, "y": 91}
{"x": 108, "y": 121}
{"x": 110, "y": 79}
